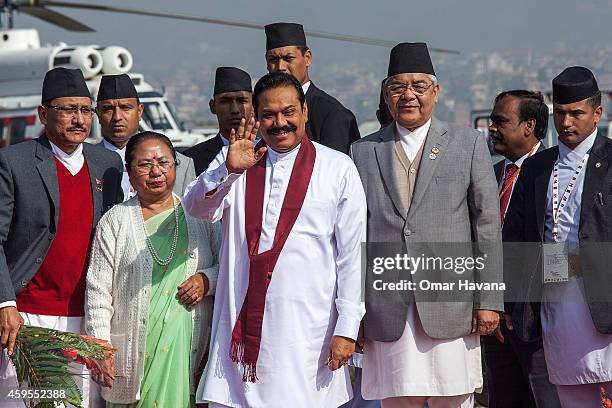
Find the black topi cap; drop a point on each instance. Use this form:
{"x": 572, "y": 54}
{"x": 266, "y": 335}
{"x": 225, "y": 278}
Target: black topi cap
{"x": 63, "y": 82}
{"x": 284, "y": 34}
{"x": 116, "y": 87}
{"x": 574, "y": 84}
{"x": 230, "y": 79}
{"x": 410, "y": 58}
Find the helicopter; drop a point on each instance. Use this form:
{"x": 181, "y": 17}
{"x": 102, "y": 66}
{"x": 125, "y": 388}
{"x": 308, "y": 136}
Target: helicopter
{"x": 24, "y": 62}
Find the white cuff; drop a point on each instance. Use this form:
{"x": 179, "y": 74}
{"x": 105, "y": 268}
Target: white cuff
{"x": 10, "y": 303}
{"x": 211, "y": 274}
{"x": 347, "y": 327}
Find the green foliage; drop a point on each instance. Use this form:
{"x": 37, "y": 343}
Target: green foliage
{"x": 42, "y": 357}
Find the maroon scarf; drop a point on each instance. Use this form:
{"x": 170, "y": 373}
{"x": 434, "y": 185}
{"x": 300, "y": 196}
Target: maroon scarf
{"x": 246, "y": 336}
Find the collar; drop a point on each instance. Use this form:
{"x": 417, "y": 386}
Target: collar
{"x": 274, "y": 156}
{"x": 224, "y": 139}
{"x": 519, "y": 162}
{"x": 413, "y": 140}
{"x": 63, "y": 156}
{"x": 305, "y": 87}
{"x": 113, "y": 148}
{"x": 73, "y": 161}
{"x": 575, "y": 155}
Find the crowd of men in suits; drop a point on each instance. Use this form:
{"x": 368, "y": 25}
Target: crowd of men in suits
{"x": 423, "y": 180}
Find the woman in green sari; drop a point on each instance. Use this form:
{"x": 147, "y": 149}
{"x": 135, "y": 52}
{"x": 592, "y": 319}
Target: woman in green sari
{"x": 152, "y": 272}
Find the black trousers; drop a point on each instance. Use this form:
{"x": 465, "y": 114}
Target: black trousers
{"x": 516, "y": 373}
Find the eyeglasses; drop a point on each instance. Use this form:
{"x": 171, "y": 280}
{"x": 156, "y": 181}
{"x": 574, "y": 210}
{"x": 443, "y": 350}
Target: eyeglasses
{"x": 398, "y": 89}
{"x": 146, "y": 167}
{"x": 72, "y": 110}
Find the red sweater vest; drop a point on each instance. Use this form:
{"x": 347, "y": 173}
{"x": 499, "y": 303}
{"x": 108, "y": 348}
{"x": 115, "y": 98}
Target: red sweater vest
{"x": 58, "y": 288}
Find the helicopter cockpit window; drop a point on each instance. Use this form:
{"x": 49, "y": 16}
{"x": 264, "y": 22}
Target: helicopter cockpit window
{"x": 155, "y": 116}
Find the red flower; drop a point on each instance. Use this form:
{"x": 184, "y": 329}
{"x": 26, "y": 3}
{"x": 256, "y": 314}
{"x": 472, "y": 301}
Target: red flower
{"x": 71, "y": 354}
{"x": 606, "y": 402}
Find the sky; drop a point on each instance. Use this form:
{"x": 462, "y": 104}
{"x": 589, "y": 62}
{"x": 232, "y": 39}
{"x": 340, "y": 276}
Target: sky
{"x": 464, "y": 25}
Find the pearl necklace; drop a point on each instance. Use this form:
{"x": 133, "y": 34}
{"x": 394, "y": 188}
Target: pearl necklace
{"x": 154, "y": 254}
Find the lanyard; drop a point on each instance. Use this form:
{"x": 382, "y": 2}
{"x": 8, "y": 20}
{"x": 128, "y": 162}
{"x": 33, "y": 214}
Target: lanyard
{"x": 558, "y": 206}
{"x": 505, "y": 185}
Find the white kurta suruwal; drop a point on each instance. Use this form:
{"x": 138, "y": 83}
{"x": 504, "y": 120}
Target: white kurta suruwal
{"x": 315, "y": 291}
{"x": 576, "y": 353}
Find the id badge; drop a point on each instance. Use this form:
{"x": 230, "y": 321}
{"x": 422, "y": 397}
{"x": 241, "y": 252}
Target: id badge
{"x": 555, "y": 262}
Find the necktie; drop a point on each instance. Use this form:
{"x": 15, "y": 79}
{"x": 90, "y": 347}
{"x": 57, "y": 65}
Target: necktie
{"x": 506, "y": 190}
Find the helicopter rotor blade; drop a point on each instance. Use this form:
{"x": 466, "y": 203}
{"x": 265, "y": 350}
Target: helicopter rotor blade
{"x": 222, "y": 21}
{"x": 55, "y": 18}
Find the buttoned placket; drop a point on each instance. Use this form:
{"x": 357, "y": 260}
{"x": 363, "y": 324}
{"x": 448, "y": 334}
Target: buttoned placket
{"x": 280, "y": 168}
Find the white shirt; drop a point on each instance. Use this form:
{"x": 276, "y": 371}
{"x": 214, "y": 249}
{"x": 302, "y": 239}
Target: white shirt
{"x": 412, "y": 141}
{"x": 315, "y": 290}
{"x": 576, "y": 353}
{"x": 128, "y": 191}
{"x": 224, "y": 139}
{"x": 305, "y": 87}
{"x": 73, "y": 161}
{"x": 518, "y": 163}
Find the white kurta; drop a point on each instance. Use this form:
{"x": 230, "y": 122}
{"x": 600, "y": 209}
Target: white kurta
{"x": 315, "y": 291}
{"x": 416, "y": 364}
{"x": 576, "y": 353}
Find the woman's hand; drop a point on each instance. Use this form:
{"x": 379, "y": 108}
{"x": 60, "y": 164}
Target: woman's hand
{"x": 192, "y": 291}
{"x": 103, "y": 371}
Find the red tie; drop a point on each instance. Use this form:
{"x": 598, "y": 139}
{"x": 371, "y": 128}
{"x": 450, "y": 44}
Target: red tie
{"x": 506, "y": 191}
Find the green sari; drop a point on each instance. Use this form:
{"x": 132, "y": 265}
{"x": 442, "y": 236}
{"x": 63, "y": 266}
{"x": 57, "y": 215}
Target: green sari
{"x": 166, "y": 379}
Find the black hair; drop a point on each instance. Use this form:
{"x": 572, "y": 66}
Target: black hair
{"x": 302, "y": 48}
{"x": 277, "y": 80}
{"x": 595, "y": 100}
{"x": 531, "y": 106}
{"x": 138, "y": 138}
{"x": 382, "y": 113}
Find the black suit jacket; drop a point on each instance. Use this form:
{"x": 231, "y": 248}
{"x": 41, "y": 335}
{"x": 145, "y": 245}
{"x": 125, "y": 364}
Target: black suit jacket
{"x": 525, "y": 220}
{"x": 329, "y": 122}
{"x": 29, "y": 205}
{"x": 204, "y": 153}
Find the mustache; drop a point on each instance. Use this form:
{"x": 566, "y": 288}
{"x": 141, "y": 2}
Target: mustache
{"x": 77, "y": 129}
{"x": 283, "y": 129}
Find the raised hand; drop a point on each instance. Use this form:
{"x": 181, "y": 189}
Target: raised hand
{"x": 241, "y": 154}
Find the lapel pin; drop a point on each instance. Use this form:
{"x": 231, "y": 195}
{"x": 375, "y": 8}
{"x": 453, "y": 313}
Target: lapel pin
{"x": 98, "y": 184}
{"x": 432, "y": 156}
{"x": 598, "y": 164}
{"x": 435, "y": 150}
